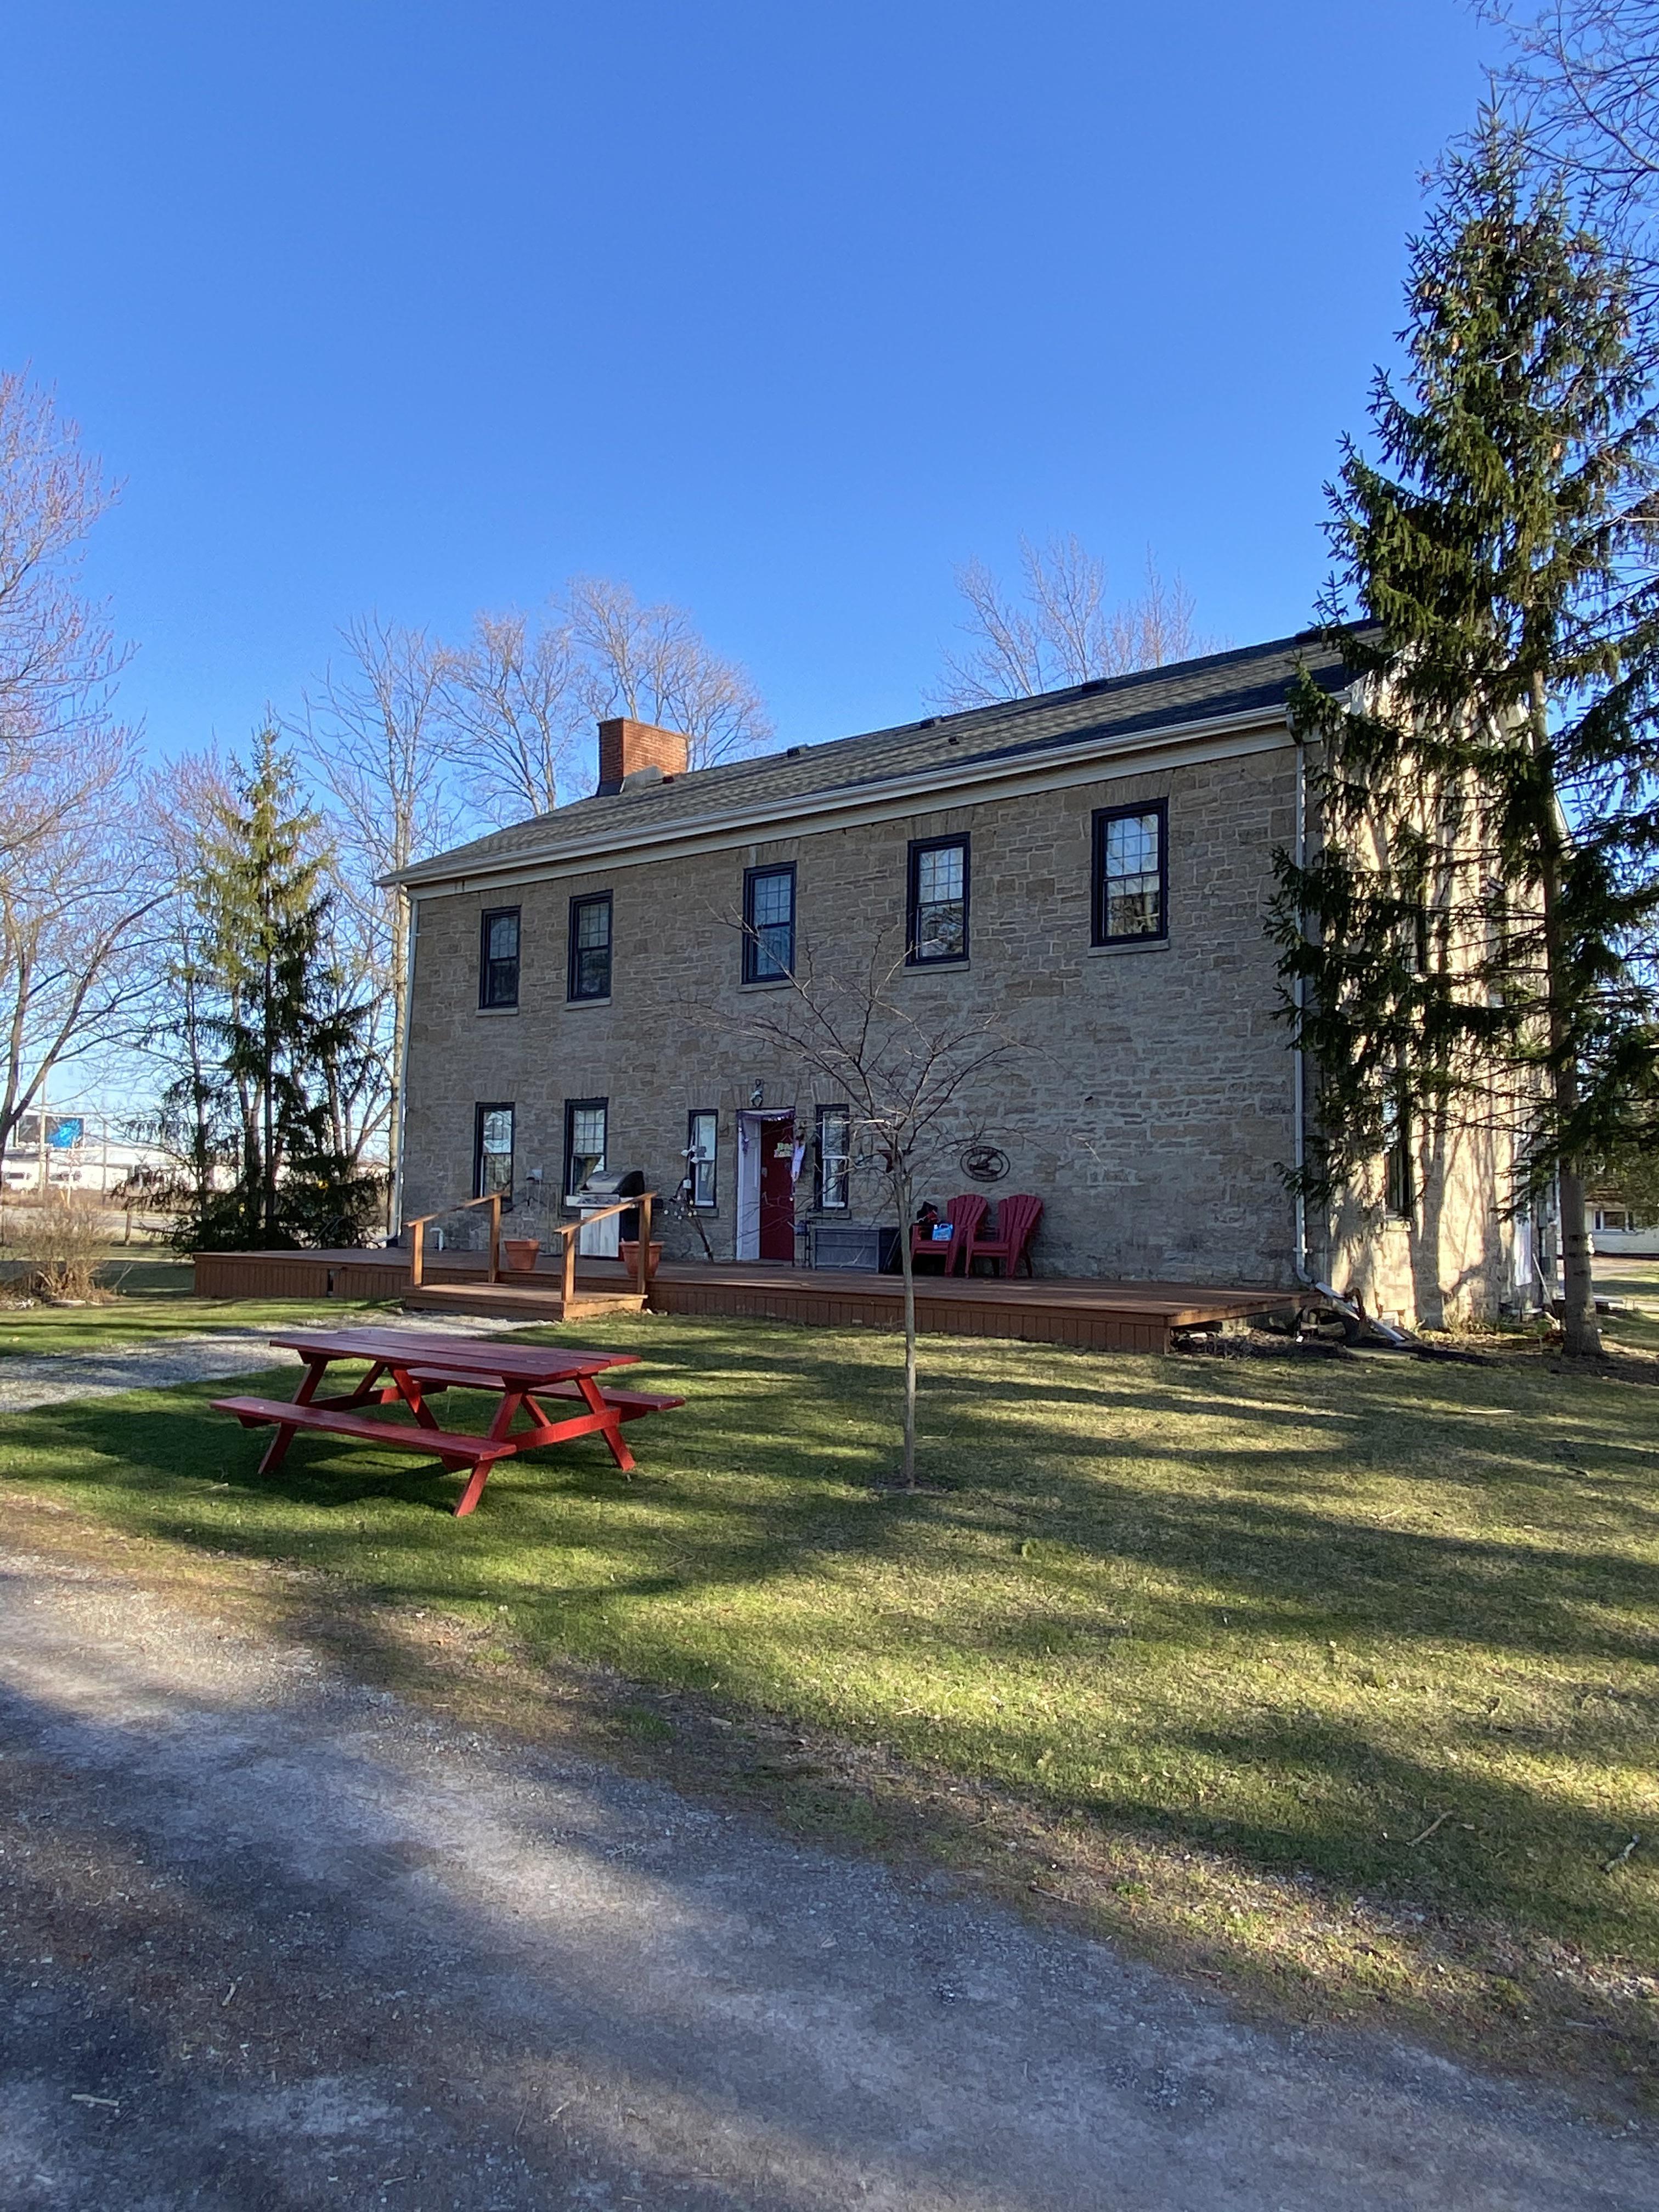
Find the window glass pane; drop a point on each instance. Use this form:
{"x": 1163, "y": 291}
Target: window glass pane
{"x": 1132, "y": 891}
{"x": 590, "y": 948}
{"x": 499, "y": 983}
{"x": 772, "y": 925}
{"x": 938, "y": 873}
{"x": 835, "y": 1164}
{"x": 700, "y": 1172}
{"x": 938, "y": 924}
{"x": 773, "y": 899}
{"x": 586, "y": 1144}
{"x": 495, "y": 1151}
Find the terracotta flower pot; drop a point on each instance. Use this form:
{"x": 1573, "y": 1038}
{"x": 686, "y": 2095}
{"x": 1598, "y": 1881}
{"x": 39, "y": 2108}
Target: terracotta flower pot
{"x": 628, "y": 1250}
{"x": 519, "y": 1253}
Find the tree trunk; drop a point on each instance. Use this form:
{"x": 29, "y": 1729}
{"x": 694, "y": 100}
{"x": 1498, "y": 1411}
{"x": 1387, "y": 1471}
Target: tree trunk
{"x": 1581, "y": 1332}
{"x": 1582, "y": 1337}
{"x": 907, "y": 1269}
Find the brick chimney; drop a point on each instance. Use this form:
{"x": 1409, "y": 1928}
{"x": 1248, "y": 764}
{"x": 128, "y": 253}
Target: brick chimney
{"x": 627, "y": 747}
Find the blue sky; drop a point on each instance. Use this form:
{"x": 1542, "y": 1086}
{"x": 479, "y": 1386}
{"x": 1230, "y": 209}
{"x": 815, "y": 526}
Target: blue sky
{"x": 778, "y": 311}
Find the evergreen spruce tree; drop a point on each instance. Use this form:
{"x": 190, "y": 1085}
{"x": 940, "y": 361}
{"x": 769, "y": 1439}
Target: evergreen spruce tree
{"x": 282, "y": 1023}
{"x": 1456, "y": 948}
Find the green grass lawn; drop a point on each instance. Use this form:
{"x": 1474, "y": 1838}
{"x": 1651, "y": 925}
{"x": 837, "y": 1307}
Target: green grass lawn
{"x": 1264, "y": 1652}
{"x": 153, "y": 1299}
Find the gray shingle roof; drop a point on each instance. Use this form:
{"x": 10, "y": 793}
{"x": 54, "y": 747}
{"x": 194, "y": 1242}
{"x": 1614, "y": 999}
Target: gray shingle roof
{"x": 772, "y": 788}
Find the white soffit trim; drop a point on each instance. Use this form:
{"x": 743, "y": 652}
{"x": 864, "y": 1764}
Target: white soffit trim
{"x": 816, "y": 812}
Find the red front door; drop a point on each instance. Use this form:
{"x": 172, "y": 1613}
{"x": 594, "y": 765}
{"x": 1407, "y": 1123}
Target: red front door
{"x": 777, "y": 1188}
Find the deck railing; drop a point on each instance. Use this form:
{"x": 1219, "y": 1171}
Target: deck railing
{"x": 569, "y": 1231}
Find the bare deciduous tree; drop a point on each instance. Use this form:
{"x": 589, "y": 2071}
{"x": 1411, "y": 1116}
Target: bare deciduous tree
{"x": 911, "y": 1080}
{"x": 376, "y": 736}
{"x": 1062, "y": 630}
{"x": 650, "y": 664}
{"x": 516, "y": 709}
{"x": 78, "y": 877}
{"x": 188, "y": 804}
{"x": 59, "y": 656}
{"x": 1584, "y": 84}
{"x": 79, "y": 883}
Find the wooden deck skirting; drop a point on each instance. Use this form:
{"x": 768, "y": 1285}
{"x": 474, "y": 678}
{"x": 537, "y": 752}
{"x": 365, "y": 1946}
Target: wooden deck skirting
{"x": 1093, "y": 1315}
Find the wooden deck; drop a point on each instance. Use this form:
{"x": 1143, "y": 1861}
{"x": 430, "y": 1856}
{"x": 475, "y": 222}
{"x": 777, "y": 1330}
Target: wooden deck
{"x": 1094, "y": 1316}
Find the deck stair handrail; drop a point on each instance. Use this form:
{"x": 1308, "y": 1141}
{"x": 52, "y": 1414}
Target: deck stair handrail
{"x": 569, "y": 1231}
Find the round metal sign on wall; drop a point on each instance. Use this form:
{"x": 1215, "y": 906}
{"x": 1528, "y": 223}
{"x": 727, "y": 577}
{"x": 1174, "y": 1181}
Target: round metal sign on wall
{"x": 984, "y": 1164}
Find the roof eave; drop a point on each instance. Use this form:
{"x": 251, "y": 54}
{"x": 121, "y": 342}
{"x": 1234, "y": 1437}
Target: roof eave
{"x": 952, "y": 776}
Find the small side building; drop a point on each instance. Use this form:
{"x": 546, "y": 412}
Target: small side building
{"x": 1092, "y": 867}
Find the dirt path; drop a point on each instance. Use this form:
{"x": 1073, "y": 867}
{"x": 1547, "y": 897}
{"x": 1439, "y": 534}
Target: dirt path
{"x": 54, "y": 1378}
{"x": 273, "y": 1939}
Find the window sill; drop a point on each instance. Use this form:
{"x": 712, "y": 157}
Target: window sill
{"x": 495, "y": 1013}
{"x": 937, "y": 967}
{"x": 770, "y": 983}
{"x": 605, "y": 1001}
{"x": 1131, "y": 944}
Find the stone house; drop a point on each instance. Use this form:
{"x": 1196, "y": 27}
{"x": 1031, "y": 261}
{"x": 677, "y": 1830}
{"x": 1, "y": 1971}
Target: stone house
{"x": 1092, "y": 866}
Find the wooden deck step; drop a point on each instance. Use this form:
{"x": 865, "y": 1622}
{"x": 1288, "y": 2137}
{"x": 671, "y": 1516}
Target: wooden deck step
{"x": 282, "y": 1412}
{"x": 531, "y": 1304}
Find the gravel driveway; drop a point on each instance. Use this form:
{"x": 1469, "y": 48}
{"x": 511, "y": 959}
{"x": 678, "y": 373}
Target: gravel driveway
{"x": 274, "y": 1940}
{"x": 53, "y": 1377}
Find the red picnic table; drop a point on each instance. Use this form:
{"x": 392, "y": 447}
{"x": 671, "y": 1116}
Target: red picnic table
{"x": 409, "y": 1367}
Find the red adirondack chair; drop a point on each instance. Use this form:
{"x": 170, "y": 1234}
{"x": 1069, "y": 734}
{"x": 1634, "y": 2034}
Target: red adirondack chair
{"x": 1018, "y": 1216}
{"x": 964, "y": 1213}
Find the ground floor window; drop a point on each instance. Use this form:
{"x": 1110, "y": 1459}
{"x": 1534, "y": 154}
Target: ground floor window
{"x": 834, "y": 1158}
{"x": 1618, "y": 1218}
{"x": 585, "y": 1130}
{"x": 702, "y": 1150}
{"x": 1398, "y": 1181}
{"x": 492, "y": 1152}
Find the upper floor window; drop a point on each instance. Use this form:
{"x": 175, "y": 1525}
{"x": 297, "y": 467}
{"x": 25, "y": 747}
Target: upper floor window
{"x": 701, "y": 1133}
{"x": 498, "y": 960}
{"x": 1132, "y": 874}
{"x": 492, "y": 1152}
{"x": 590, "y": 947}
{"x": 769, "y": 923}
{"x": 587, "y": 1133}
{"x": 834, "y": 1158}
{"x": 937, "y": 926}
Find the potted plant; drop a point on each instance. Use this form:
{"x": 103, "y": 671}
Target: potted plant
{"x": 628, "y": 1251}
{"x": 519, "y": 1253}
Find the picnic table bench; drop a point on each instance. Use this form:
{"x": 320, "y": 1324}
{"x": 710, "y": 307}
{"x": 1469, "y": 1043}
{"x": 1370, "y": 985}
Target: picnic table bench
{"x": 410, "y": 1367}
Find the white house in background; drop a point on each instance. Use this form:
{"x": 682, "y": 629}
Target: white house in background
{"x": 79, "y": 1150}
{"x": 1621, "y": 1231}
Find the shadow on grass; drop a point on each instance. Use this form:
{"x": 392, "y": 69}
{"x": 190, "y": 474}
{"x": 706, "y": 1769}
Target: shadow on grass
{"x": 1151, "y": 1600}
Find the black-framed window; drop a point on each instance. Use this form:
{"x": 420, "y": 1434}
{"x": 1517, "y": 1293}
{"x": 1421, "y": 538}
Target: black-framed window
{"x": 834, "y": 1159}
{"x": 498, "y": 958}
{"x": 492, "y": 1150}
{"x": 1132, "y": 874}
{"x": 587, "y": 1138}
{"x": 769, "y": 923}
{"x": 936, "y": 928}
{"x": 1399, "y": 1177}
{"x": 701, "y": 1158}
{"x": 589, "y": 974}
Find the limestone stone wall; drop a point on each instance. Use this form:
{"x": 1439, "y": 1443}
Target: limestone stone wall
{"x": 1455, "y": 1259}
{"x": 1146, "y": 1097}
{"x": 1146, "y": 1091}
